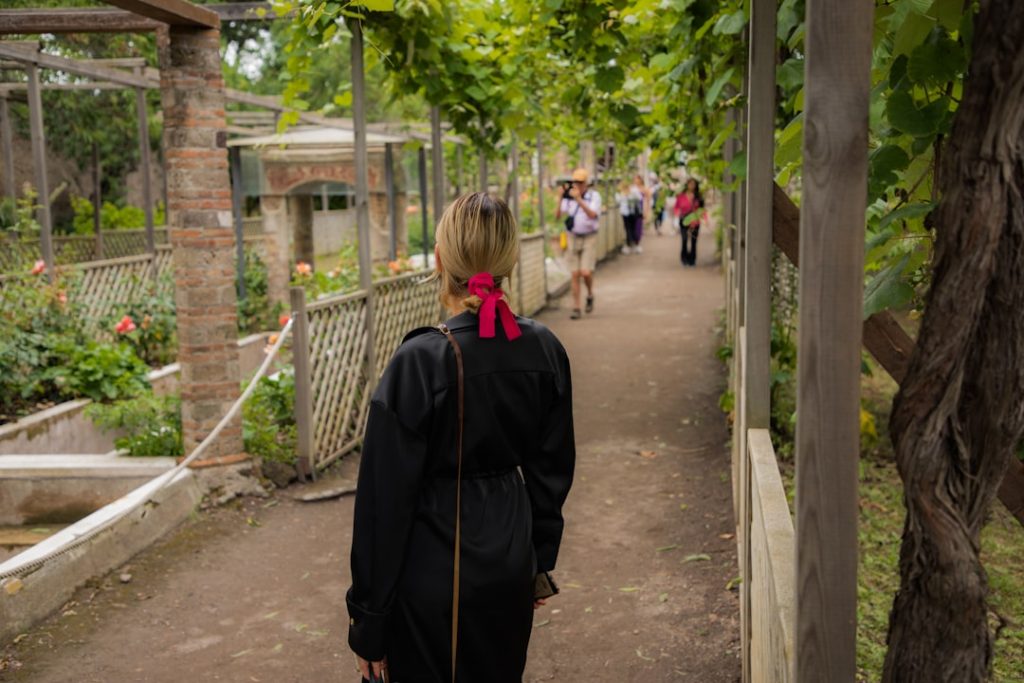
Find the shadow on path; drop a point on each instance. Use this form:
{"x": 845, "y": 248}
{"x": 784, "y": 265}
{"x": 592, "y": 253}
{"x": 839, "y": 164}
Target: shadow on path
{"x": 255, "y": 592}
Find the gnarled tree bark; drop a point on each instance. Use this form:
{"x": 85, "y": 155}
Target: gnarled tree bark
{"x": 960, "y": 409}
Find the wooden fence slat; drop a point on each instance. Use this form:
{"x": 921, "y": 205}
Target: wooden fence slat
{"x": 836, "y": 98}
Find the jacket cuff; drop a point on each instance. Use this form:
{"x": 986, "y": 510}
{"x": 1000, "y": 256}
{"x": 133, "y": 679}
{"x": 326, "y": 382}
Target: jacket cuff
{"x": 366, "y": 631}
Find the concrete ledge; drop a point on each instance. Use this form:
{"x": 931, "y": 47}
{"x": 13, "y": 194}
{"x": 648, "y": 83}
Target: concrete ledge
{"x": 45, "y": 589}
{"x": 61, "y": 489}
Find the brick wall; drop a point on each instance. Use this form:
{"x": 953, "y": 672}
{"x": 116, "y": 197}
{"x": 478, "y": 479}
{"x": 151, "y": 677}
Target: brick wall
{"x": 199, "y": 218}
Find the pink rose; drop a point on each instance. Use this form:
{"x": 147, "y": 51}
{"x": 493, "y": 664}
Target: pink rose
{"x": 303, "y": 268}
{"x": 39, "y": 267}
{"x": 125, "y": 326}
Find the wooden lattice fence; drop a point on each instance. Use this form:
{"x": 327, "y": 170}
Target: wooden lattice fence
{"x": 19, "y": 253}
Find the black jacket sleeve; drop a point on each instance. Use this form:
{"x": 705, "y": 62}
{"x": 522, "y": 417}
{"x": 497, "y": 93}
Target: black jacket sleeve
{"x": 392, "y": 465}
{"x": 548, "y": 472}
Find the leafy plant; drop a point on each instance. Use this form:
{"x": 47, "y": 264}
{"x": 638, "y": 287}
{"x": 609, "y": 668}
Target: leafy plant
{"x": 98, "y": 370}
{"x": 151, "y": 424}
{"x": 254, "y": 311}
{"x": 152, "y": 331}
{"x": 268, "y": 419}
{"x": 112, "y": 216}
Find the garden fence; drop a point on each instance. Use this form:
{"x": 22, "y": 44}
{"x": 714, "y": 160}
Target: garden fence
{"x": 332, "y": 381}
{"x": 18, "y": 252}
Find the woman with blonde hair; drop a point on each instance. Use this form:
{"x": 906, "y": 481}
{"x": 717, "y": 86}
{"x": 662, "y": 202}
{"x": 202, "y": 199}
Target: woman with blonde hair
{"x": 467, "y": 460}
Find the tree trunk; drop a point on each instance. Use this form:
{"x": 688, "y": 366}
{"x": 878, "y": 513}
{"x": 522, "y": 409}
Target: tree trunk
{"x": 960, "y": 410}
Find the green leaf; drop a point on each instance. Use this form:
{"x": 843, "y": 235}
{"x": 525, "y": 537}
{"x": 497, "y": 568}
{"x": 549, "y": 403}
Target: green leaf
{"x": 907, "y": 212}
{"x": 344, "y": 99}
{"x": 947, "y": 12}
{"x": 730, "y": 24}
{"x": 791, "y": 74}
{"x": 887, "y": 290}
{"x": 789, "y": 146}
{"x": 738, "y": 165}
{"x": 609, "y": 78}
{"x": 905, "y": 116}
{"x": 936, "y": 63}
{"x": 898, "y": 71}
{"x": 661, "y": 61}
{"x": 912, "y": 33}
{"x": 376, "y": 5}
{"x": 886, "y": 163}
{"x": 716, "y": 88}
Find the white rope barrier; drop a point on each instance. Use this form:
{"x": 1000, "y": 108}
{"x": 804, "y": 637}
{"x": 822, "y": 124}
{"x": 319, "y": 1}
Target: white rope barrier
{"x": 27, "y": 562}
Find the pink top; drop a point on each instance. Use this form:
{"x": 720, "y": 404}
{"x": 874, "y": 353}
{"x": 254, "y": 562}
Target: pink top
{"x": 686, "y": 205}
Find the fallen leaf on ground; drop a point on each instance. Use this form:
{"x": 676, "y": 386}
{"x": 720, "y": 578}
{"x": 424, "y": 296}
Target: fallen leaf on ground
{"x": 726, "y": 537}
{"x": 699, "y": 557}
{"x": 663, "y": 597}
{"x": 641, "y": 655}
{"x": 241, "y": 654}
{"x": 542, "y": 623}
{"x": 733, "y": 583}
{"x": 648, "y": 454}
{"x": 666, "y": 548}
{"x": 629, "y": 589}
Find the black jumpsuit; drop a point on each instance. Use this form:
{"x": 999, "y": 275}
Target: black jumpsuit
{"x": 518, "y": 460}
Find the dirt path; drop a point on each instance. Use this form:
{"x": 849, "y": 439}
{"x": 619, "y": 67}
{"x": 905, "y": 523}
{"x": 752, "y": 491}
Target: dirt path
{"x": 256, "y": 592}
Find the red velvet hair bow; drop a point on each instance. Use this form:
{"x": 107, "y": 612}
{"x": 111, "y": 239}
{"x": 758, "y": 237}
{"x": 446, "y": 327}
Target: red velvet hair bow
{"x": 482, "y": 285}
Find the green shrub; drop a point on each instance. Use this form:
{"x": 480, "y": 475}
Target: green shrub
{"x": 112, "y": 216}
{"x": 268, "y": 419}
{"x": 255, "y": 313}
{"x": 99, "y": 371}
{"x": 154, "y": 322}
{"x": 152, "y": 424}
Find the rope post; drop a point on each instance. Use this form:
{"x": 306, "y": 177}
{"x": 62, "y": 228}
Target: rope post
{"x": 7, "y": 147}
{"x": 424, "y": 203}
{"x": 389, "y": 184}
{"x": 303, "y": 385}
{"x": 38, "y": 138}
{"x": 540, "y": 212}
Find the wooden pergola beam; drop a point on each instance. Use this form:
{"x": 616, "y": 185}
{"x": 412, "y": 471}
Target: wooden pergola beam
{"x": 113, "y": 20}
{"x": 173, "y": 12}
{"x": 72, "y": 66}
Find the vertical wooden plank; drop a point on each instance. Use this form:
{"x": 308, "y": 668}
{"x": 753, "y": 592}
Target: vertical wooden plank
{"x": 303, "y": 383}
{"x": 757, "y": 252}
{"x": 235, "y": 160}
{"x": 424, "y": 203}
{"x": 7, "y": 148}
{"x": 540, "y": 210}
{"x": 363, "y": 196}
{"x": 389, "y": 184}
{"x": 38, "y": 137}
{"x": 145, "y": 164}
{"x": 514, "y": 188}
{"x": 836, "y": 97}
{"x": 97, "y": 200}
{"x": 437, "y": 163}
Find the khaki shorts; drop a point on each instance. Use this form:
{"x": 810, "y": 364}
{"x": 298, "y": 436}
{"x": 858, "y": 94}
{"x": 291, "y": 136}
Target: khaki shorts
{"x": 582, "y": 252}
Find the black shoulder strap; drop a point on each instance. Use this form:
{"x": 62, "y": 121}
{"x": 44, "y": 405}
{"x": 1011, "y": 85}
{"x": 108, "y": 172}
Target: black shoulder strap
{"x": 458, "y": 491}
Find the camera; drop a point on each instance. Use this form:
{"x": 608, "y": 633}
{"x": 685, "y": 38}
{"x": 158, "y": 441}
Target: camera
{"x": 567, "y": 190}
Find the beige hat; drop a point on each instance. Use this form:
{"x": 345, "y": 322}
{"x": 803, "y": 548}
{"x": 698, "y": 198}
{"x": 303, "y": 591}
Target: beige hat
{"x": 581, "y": 175}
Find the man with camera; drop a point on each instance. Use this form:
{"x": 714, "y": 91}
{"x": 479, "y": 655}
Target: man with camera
{"x": 581, "y": 206}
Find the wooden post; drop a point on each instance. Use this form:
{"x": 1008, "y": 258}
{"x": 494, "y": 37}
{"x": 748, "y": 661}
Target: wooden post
{"x": 97, "y": 200}
{"x": 235, "y": 159}
{"x": 540, "y": 207}
{"x": 832, "y": 217}
{"x": 305, "y": 465}
{"x": 7, "y": 148}
{"x": 437, "y": 163}
{"x": 484, "y": 186}
{"x": 389, "y": 184}
{"x": 144, "y": 166}
{"x": 514, "y": 186}
{"x": 760, "y": 185}
{"x": 424, "y": 204}
{"x": 362, "y": 197}
{"x": 38, "y": 136}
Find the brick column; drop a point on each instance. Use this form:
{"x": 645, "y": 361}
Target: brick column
{"x": 199, "y": 218}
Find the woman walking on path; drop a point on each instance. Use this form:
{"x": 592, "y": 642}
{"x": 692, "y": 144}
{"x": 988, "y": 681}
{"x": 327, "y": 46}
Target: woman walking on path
{"x": 640, "y": 189}
{"x": 688, "y": 209}
{"x": 501, "y": 458}
{"x": 631, "y": 202}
